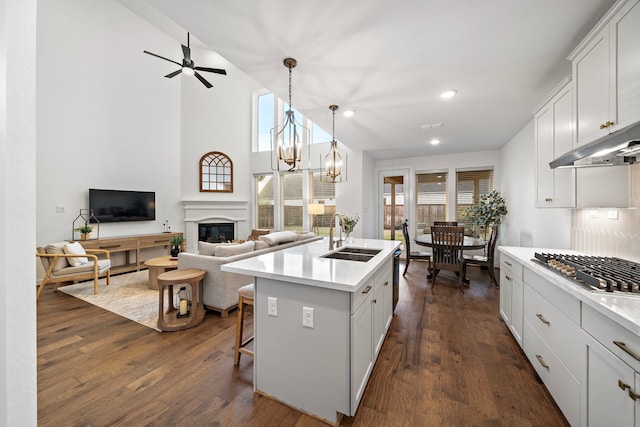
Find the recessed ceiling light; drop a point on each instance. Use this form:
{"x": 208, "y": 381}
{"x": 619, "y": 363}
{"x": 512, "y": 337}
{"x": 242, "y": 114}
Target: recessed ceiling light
{"x": 435, "y": 141}
{"x": 349, "y": 112}
{"x": 448, "y": 94}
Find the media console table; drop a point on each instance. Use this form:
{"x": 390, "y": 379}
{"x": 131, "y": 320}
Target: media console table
{"x": 130, "y": 245}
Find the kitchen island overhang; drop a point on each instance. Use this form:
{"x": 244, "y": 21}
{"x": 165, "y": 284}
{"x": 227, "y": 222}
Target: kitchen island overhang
{"x": 319, "y": 365}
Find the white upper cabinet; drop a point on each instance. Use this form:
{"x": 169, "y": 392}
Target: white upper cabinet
{"x": 554, "y": 137}
{"x": 606, "y": 74}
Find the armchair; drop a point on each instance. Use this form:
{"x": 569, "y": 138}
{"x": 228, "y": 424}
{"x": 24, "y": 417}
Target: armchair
{"x": 58, "y": 269}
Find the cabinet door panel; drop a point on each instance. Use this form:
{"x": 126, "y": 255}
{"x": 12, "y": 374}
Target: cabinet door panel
{"x": 626, "y": 33}
{"x": 544, "y": 154}
{"x": 361, "y": 351}
{"x": 607, "y": 401}
{"x": 563, "y": 179}
{"x": 591, "y": 77}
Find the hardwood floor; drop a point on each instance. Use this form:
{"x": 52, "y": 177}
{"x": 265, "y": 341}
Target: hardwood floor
{"x": 448, "y": 360}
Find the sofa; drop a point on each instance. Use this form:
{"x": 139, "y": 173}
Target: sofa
{"x": 221, "y": 287}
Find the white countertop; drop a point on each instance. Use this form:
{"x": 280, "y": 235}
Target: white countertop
{"x": 624, "y": 310}
{"x": 302, "y": 264}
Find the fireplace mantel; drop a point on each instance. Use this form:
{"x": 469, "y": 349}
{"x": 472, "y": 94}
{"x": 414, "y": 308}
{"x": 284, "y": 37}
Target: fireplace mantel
{"x": 206, "y": 211}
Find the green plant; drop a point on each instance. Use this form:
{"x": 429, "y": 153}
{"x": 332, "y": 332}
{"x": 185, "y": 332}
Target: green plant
{"x": 348, "y": 223}
{"x": 85, "y": 229}
{"x": 487, "y": 212}
{"x": 176, "y": 241}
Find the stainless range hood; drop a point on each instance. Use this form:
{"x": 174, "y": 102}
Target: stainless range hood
{"x": 617, "y": 148}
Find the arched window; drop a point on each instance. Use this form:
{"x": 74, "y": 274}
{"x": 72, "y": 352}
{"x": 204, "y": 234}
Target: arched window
{"x": 216, "y": 173}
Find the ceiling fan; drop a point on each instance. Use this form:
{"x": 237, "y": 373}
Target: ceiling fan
{"x": 188, "y": 66}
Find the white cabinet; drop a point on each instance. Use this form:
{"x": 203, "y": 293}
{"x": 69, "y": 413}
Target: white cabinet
{"x": 606, "y": 66}
{"x": 554, "y": 343}
{"x": 369, "y": 325}
{"x": 511, "y": 295}
{"x": 554, "y": 137}
{"x": 613, "y": 358}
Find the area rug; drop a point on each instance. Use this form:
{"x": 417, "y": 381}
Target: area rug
{"x": 127, "y": 296}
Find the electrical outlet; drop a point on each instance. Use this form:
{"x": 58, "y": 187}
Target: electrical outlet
{"x": 593, "y": 213}
{"x": 272, "y": 306}
{"x": 60, "y": 209}
{"x": 307, "y": 317}
{"x": 612, "y": 214}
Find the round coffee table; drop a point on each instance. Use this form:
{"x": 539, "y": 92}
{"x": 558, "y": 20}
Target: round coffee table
{"x": 158, "y": 266}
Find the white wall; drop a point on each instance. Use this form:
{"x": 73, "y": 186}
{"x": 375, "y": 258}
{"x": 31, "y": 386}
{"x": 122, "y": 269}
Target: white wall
{"x": 18, "y": 376}
{"x": 107, "y": 118}
{"x": 526, "y": 225}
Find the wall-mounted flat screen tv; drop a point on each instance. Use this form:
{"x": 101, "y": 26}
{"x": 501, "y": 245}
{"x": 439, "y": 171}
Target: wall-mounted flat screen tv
{"x": 119, "y": 205}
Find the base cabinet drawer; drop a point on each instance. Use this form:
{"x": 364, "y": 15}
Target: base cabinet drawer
{"x": 560, "y": 382}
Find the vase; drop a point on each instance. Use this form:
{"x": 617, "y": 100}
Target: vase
{"x": 84, "y": 236}
{"x": 348, "y": 238}
{"x": 175, "y": 251}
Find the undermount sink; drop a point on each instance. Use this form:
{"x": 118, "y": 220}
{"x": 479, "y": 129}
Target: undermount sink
{"x": 353, "y": 254}
{"x": 365, "y": 251}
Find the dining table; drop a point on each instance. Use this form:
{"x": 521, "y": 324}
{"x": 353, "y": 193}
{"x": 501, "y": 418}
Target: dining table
{"x": 469, "y": 243}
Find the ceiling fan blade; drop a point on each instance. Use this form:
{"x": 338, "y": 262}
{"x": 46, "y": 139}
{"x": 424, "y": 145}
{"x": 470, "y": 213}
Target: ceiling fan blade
{"x": 212, "y": 70}
{"x": 186, "y": 52}
{"x": 162, "y": 57}
{"x": 203, "y": 80}
{"x": 175, "y": 73}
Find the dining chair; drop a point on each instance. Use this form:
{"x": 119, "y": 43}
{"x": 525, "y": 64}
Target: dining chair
{"x": 447, "y": 246}
{"x": 487, "y": 260}
{"x": 445, "y": 223}
{"x": 407, "y": 246}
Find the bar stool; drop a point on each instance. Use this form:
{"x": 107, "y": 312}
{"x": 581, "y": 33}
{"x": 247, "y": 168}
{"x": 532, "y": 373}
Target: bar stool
{"x": 245, "y": 297}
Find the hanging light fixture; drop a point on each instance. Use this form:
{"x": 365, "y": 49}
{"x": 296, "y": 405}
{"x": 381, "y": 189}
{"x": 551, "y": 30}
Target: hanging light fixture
{"x": 288, "y": 140}
{"x": 335, "y": 163}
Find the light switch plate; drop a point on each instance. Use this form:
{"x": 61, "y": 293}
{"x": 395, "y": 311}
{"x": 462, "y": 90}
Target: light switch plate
{"x": 272, "y": 306}
{"x": 307, "y": 317}
{"x": 612, "y": 214}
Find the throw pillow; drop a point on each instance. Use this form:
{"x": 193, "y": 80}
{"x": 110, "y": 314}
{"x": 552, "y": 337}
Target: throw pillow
{"x": 230, "y": 250}
{"x": 75, "y": 248}
{"x": 206, "y": 248}
{"x": 260, "y": 244}
{"x": 57, "y": 248}
{"x": 279, "y": 237}
{"x": 306, "y": 235}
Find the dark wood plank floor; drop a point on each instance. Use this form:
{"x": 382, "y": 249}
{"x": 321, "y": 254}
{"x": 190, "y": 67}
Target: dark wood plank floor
{"x": 448, "y": 360}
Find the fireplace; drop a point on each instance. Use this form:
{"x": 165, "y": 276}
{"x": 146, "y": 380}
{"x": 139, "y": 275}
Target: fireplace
{"x": 216, "y": 232}
{"x": 234, "y": 214}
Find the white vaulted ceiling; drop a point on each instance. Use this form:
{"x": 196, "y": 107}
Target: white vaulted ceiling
{"x": 390, "y": 60}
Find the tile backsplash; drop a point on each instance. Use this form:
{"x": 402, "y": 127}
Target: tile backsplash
{"x": 593, "y": 232}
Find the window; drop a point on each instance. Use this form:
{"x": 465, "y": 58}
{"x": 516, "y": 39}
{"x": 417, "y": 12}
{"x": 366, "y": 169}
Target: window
{"x": 292, "y": 201}
{"x": 216, "y": 173}
{"x": 470, "y": 185}
{"x": 265, "y": 121}
{"x": 319, "y": 135}
{"x": 431, "y": 199}
{"x": 264, "y": 201}
{"x": 323, "y": 193}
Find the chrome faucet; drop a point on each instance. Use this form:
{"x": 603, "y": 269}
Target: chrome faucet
{"x": 333, "y": 222}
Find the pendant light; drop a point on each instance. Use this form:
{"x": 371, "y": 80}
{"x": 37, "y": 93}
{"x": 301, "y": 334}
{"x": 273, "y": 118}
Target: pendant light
{"x": 290, "y": 139}
{"x": 334, "y": 162}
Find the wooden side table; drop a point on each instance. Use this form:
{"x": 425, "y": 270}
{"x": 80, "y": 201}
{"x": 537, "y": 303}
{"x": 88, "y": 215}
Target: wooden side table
{"x": 169, "y": 321}
{"x": 158, "y": 266}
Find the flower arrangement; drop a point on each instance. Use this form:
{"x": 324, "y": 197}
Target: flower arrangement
{"x": 348, "y": 223}
{"x": 487, "y": 212}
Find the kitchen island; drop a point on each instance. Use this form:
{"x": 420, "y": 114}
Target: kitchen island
{"x": 319, "y": 322}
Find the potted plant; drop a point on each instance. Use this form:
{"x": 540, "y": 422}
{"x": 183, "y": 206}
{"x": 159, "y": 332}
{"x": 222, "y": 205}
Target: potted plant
{"x": 348, "y": 224}
{"x": 84, "y": 231}
{"x": 176, "y": 243}
{"x": 487, "y": 212}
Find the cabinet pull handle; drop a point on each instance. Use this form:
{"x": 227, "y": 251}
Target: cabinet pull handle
{"x": 542, "y": 319}
{"x": 602, "y": 126}
{"x": 623, "y": 385}
{"x": 541, "y": 360}
{"x": 386, "y": 283}
{"x": 624, "y": 348}
{"x": 507, "y": 277}
{"x": 508, "y": 263}
{"x": 633, "y": 396}
{"x": 375, "y": 301}
{"x": 548, "y": 199}
{"x": 607, "y": 124}
{"x": 366, "y": 290}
